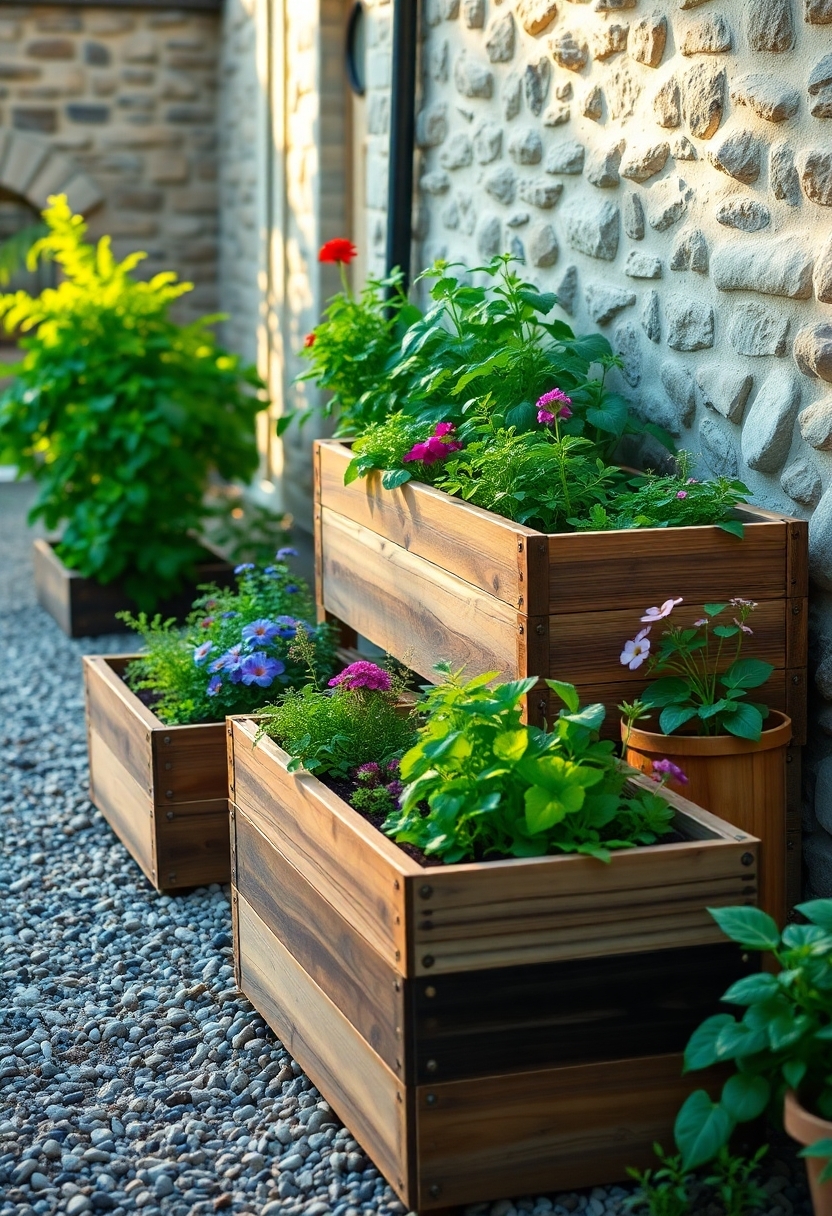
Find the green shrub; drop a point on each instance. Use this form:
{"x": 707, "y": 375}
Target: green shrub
{"x": 120, "y": 414}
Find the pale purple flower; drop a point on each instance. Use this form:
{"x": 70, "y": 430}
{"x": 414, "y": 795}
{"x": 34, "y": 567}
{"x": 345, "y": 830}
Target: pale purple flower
{"x": 214, "y": 686}
{"x": 703, "y": 620}
{"x": 260, "y": 633}
{"x": 231, "y": 659}
{"x": 740, "y": 603}
{"x": 668, "y": 771}
{"x": 226, "y": 616}
{"x": 201, "y": 652}
{"x": 657, "y": 614}
{"x": 744, "y": 628}
{"x": 368, "y": 770}
{"x": 287, "y": 551}
{"x": 682, "y": 494}
{"x": 636, "y": 651}
{"x": 243, "y": 567}
{"x": 395, "y": 788}
{"x": 259, "y": 669}
{"x": 363, "y": 675}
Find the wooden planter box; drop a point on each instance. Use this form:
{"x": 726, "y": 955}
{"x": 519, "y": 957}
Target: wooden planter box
{"x": 84, "y": 608}
{"x": 163, "y": 789}
{"x": 428, "y": 576}
{"x": 483, "y": 1030}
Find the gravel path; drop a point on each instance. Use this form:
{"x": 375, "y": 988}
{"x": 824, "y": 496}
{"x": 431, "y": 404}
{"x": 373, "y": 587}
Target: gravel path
{"x": 133, "y": 1075}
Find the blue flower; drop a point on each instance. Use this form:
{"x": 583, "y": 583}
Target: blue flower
{"x": 214, "y": 686}
{"x": 260, "y": 632}
{"x": 259, "y": 669}
{"x": 201, "y": 652}
{"x": 244, "y": 566}
{"x": 271, "y": 570}
{"x": 226, "y": 616}
{"x": 232, "y": 658}
{"x": 288, "y": 551}
{"x": 287, "y": 626}
{"x": 291, "y": 588}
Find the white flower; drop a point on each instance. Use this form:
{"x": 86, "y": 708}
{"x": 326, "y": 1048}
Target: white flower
{"x": 657, "y": 614}
{"x": 636, "y": 651}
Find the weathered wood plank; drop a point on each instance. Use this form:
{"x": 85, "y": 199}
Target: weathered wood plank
{"x": 51, "y": 585}
{"x": 192, "y": 847}
{"x": 189, "y": 763}
{"x": 359, "y": 1086}
{"x": 125, "y": 805}
{"x": 120, "y": 719}
{"x": 355, "y": 978}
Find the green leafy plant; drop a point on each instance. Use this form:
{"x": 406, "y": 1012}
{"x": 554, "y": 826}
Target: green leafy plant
{"x": 238, "y": 647}
{"x": 821, "y": 1149}
{"x": 663, "y": 1191}
{"x": 119, "y": 414}
{"x": 733, "y": 1179}
{"x": 358, "y": 720}
{"x": 481, "y": 782}
{"x": 701, "y": 690}
{"x": 782, "y": 1041}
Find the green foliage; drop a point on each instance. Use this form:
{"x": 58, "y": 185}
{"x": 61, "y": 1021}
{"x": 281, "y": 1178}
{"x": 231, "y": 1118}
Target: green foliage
{"x": 672, "y": 501}
{"x": 352, "y": 351}
{"x": 334, "y": 731}
{"x": 663, "y": 1191}
{"x": 378, "y": 788}
{"x": 698, "y": 691}
{"x": 199, "y": 674}
{"x": 494, "y": 785}
{"x": 15, "y": 251}
{"x": 384, "y": 445}
{"x": 823, "y": 1150}
{"x": 783, "y": 1040}
{"x": 119, "y": 414}
{"x": 732, "y": 1178}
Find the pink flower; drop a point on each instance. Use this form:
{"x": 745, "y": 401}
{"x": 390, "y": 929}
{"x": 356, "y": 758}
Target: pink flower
{"x": 657, "y": 614}
{"x": 740, "y": 603}
{"x": 547, "y": 417}
{"x": 555, "y": 396}
{"x": 682, "y": 494}
{"x": 668, "y": 771}
{"x": 636, "y": 651}
{"x": 703, "y": 620}
{"x": 692, "y": 481}
{"x": 436, "y": 447}
{"x": 444, "y": 428}
{"x": 363, "y": 675}
{"x": 744, "y": 628}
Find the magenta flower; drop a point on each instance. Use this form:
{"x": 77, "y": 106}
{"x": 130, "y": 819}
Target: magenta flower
{"x": 368, "y": 771}
{"x": 259, "y": 669}
{"x": 201, "y": 652}
{"x": 657, "y": 614}
{"x": 555, "y": 397}
{"x": 636, "y": 651}
{"x": 682, "y": 494}
{"x": 395, "y": 788}
{"x": 668, "y": 771}
{"x": 436, "y": 447}
{"x": 443, "y": 428}
{"x": 363, "y": 675}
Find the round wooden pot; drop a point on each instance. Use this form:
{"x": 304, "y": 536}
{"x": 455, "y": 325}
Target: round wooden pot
{"x": 741, "y": 781}
{"x": 808, "y": 1129}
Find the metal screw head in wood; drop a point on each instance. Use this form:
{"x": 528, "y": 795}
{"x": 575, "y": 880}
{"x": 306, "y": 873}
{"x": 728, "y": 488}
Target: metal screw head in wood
{"x": 747, "y": 859}
{"x": 428, "y": 960}
{"x": 431, "y": 1065}
{"x": 426, "y": 891}
{"x": 435, "y": 1190}
{"x": 431, "y": 1099}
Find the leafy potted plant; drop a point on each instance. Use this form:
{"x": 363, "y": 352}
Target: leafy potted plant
{"x": 454, "y": 961}
{"x": 727, "y": 752}
{"x": 474, "y": 515}
{"x": 781, "y": 1045}
{"x": 156, "y": 721}
{"x": 121, "y": 416}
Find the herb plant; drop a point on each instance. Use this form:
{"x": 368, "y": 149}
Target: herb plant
{"x": 782, "y": 1041}
{"x": 238, "y": 647}
{"x": 668, "y": 1191}
{"x": 732, "y": 1178}
{"x": 663, "y": 1191}
{"x": 481, "y": 782}
{"x": 119, "y": 414}
{"x": 700, "y": 689}
{"x": 356, "y": 721}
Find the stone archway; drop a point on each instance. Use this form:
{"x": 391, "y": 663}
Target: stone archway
{"x": 33, "y": 169}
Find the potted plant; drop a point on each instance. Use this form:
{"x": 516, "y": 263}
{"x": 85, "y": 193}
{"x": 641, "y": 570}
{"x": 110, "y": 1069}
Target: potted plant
{"x": 473, "y": 516}
{"x": 781, "y": 1045}
{"x": 156, "y": 721}
{"x": 121, "y": 416}
{"x": 490, "y": 972}
{"x": 726, "y": 751}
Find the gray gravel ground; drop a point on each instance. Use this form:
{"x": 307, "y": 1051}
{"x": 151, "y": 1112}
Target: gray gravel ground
{"x": 133, "y": 1075}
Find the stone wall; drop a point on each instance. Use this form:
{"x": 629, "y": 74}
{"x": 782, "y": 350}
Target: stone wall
{"x": 666, "y": 168}
{"x": 118, "y": 109}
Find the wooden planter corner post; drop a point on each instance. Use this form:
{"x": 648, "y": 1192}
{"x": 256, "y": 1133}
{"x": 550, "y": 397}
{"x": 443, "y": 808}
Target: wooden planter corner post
{"x": 84, "y": 608}
{"x": 428, "y": 576}
{"x": 162, "y": 789}
{"x": 487, "y": 1029}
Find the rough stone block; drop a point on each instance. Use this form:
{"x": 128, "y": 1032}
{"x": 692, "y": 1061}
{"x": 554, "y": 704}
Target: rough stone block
{"x": 569, "y": 50}
{"x": 138, "y": 199}
{"x": 813, "y": 350}
{"x": 667, "y": 104}
{"x": 623, "y": 92}
{"x": 821, "y": 106}
{"x": 718, "y": 449}
{"x": 52, "y": 178}
{"x": 816, "y": 176}
{"x": 567, "y": 290}
{"x": 820, "y": 544}
{"x": 511, "y": 95}
{"x": 499, "y": 38}
{"x": 768, "y": 96}
{"x": 593, "y": 103}
{"x": 535, "y": 16}
{"x": 543, "y": 246}
{"x": 83, "y": 195}
{"x": 90, "y": 114}
{"x": 97, "y": 55}
{"x": 488, "y": 142}
{"x": 602, "y": 165}
{"x": 627, "y": 343}
{"x": 593, "y": 228}
{"x": 634, "y": 217}
{"x": 457, "y": 152}
{"x": 777, "y": 267}
{"x": 815, "y": 424}
{"x": 745, "y": 214}
{"x": 557, "y": 115}
{"x": 738, "y": 156}
{"x": 435, "y": 183}
{"x": 710, "y": 35}
{"x": 536, "y": 85}
{"x": 650, "y": 317}
{"x": 690, "y": 252}
{"x": 501, "y": 184}
{"x": 769, "y": 424}
{"x": 51, "y": 48}
{"x": 473, "y": 14}
{"x": 703, "y": 94}
{"x": 489, "y": 237}
{"x": 42, "y": 119}
{"x": 432, "y": 125}
{"x": 141, "y": 48}
{"x": 817, "y": 12}
{"x": 525, "y": 146}
{"x": 644, "y": 161}
{"x": 755, "y": 329}
{"x": 668, "y": 202}
{"x": 801, "y": 481}
{"x": 690, "y": 323}
{"x": 168, "y": 168}
{"x": 608, "y": 40}
{"x": 19, "y": 71}
{"x": 647, "y": 40}
{"x": 540, "y": 194}
{"x": 472, "y": 78}
{"x": 180, "y": 114}
{"x": 105, "y": 24}
{"x": 604, "y": 301}
{"x": 723, "y": 390}
{"x": 785, "y": 183}
{"x": 23, "y": 161}
{"x": 642, "y": 265}
{"x": 769, "y": 25}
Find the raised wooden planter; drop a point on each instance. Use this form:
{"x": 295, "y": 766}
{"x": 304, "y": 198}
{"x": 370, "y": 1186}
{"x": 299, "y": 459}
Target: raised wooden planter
{"x": 163, "y": 789}
{"x": 483, "y": 1030}
{"x": 84, "y": 608}
{"x": 426, "y": 575}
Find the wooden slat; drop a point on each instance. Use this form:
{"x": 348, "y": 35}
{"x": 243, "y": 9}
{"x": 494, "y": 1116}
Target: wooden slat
{"x": 354, "y": 977}
{"x": 189, "y": 763}
{"x": 123, "y": 803}
{"x": 355, "y": 1081}
{"x": 548, "y": 1130}
{"x": 51, "y": 585}
{"x": 478, "y": 546}
{"x": 355, "y": 868}
{"x": 412, "y": 608}
{"x": 192, "y": 848}
{"x": 120, "y": 719}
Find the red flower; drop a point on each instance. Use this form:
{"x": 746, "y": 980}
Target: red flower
{"x": 309, "y": 340}
{"x": 338, "y": 250}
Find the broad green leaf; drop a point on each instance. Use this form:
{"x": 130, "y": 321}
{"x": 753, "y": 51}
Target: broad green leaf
{"x": 702, "y": 1128}
{"x": 511, "y": 744}
{"x": 793, "y": 1072}
{"x": 745, "y": 1096}
{"x": 746, "y": 673}
{"x": 714, "y": 609}
{"x": 668, "y": 691}
{"x": 701, "y": 1049}
{"x": 674, "y": 716}
{"x": 542, "y": 302}
{"x": 591, "y": 716}
{"x": 818, "y": 911}
{"x": 733, "y": 527}
{"x": 751, "y": 927}
{"x": 752, "y": 988}
{"x": 391, "y": 478}
{"x": 746, "y": 722}
{"x": 797, "y": 936}
{"x": 543, "y": 810}
{"x": 569, "y": 695}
